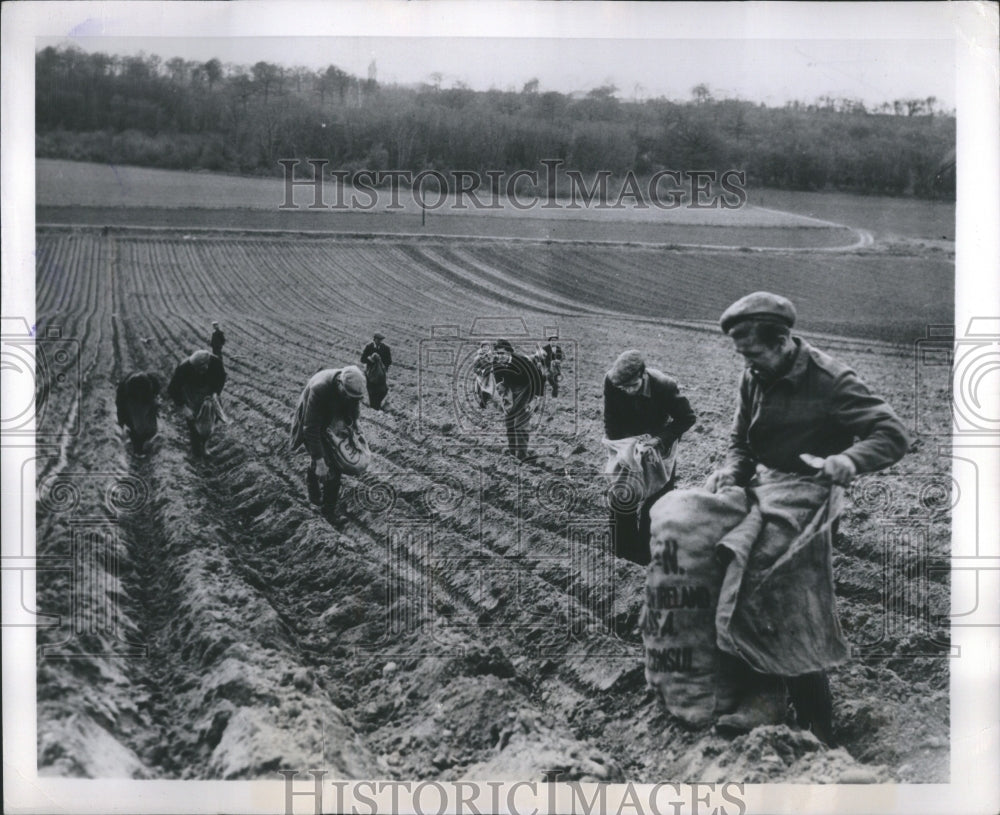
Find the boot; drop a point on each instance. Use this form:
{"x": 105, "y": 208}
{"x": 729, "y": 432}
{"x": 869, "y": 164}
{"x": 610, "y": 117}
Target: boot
{"x": 312, "y": 486}
{"x": 197, "y": 442}
{"x": 732, "y": 675}
{"x": 766, "y": 704}
{"x": 813, "y": 702}
{"x": 331, "y": 492}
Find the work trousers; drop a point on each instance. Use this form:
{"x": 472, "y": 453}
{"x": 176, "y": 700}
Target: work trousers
{"x": 631, "y": 528}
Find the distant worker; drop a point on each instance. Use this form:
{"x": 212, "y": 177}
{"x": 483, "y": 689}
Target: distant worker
{"x": 482, "y": 371}
{"x": 195, "y": 387}
{"x": 218, "y": 340}
{"x": 135, "y": 401}
{"x": 551, "y": 359}
{"x": 377, "y": 357}
{"x": 327, "y": 415}
{"x": 518, "y": 382}
{"x": 640, "y": 401}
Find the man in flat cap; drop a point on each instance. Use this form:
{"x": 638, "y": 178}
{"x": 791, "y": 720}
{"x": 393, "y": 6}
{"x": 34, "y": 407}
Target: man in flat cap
{"x": 331, "y": 400}
{"x": 805, "y": 426}
{"x": 642, "y": 401}
{"x": 376, "y": 357}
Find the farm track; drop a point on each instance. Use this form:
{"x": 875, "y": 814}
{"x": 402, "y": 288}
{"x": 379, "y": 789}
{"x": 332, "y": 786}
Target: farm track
{"x": 267, "y": 626}
{"x": 788, "y": 233}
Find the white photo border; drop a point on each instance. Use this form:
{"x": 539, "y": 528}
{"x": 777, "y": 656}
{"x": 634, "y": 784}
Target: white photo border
{"x": 971, "y": 26}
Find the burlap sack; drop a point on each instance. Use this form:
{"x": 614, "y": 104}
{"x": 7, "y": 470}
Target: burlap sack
{"x": 637, "y": 470}
{"x": 682, "y": 589}
{"x": 351, "y": 453}
{"x": 204, "y": 420}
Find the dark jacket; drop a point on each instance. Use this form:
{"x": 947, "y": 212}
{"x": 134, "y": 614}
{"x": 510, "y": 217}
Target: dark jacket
{"x": 820, "y": 407}
{"x": 520, "y": 375}
{"x": 321, "y": 404}
{"x": 552, "y": 351}
{"x": 136, "y": 394}
{"x": 381, "y": 349}
{"x": 197, "y": 377}
{"x": 658, "y": 409}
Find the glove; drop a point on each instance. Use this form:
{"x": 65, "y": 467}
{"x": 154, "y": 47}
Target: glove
{"x": 839, "y": 469}
{"x": 719, "y": 479}
{"x": 322, "y": 471}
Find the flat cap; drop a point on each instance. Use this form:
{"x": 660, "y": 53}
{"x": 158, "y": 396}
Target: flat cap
{"x": 354, "y": 382}
{"x": 627, "y": 367}
{"x": 761, "y": 305}
{"x": 379, "y": 335}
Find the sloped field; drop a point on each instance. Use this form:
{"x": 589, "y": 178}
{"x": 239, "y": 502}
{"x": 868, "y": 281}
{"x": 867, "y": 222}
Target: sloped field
{"x": 468, "y": 621}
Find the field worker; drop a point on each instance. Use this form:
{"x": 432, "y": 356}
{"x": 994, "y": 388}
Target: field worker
{"x": 519, "y": 381}
{"x": 482, "y": 371}
{"x": 640, "y": 401}
{"x": 135, "y": 400}
{"x": 805, "y": 426}
{"x": 218, "y": 340}
{"x": 552, "y": 358}
{"x": 330, "y": 400}
{"x": 377, "y": 357}
{"x": 194, "y": 387}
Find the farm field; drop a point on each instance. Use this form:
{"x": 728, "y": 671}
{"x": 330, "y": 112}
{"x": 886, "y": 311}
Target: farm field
{"x": 79, "y": 193}
{"x": 468, "y": 620}
{"x": 886, "y": 217}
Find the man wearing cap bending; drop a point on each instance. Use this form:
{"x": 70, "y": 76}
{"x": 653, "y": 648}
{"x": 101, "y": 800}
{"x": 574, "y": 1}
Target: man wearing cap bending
{"x": 377, "y": 380}
{"x": 793, "y": 400}
{"x": 331, "y": 397}
{"x": 198, "y": 380}
{"x": 642, "y": 401}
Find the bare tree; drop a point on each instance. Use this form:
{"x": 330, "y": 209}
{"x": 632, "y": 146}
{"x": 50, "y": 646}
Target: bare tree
{"x": 701, "y": 93}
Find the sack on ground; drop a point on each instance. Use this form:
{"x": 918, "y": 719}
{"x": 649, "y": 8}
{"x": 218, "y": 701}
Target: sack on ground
{"x": 351, "y": 453}
{"x": 682, "y": 589}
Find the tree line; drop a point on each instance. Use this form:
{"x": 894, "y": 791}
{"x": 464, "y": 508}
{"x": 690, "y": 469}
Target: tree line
{"x": 183, "y": 114}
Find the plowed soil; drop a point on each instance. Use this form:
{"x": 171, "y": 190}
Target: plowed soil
{"x": 468, "y": 620}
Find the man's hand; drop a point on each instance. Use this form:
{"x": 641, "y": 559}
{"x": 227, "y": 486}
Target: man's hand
{"x": 664, "y": 443}
{"x": 187, "y": 413}
{"x": 839, "y": 469}
{"x": 719, "y": 479}
{"x": 322, "y": 471}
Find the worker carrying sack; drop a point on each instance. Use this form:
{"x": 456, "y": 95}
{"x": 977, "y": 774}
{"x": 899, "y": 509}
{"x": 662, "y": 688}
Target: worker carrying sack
{"x": 682, "y": 590}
